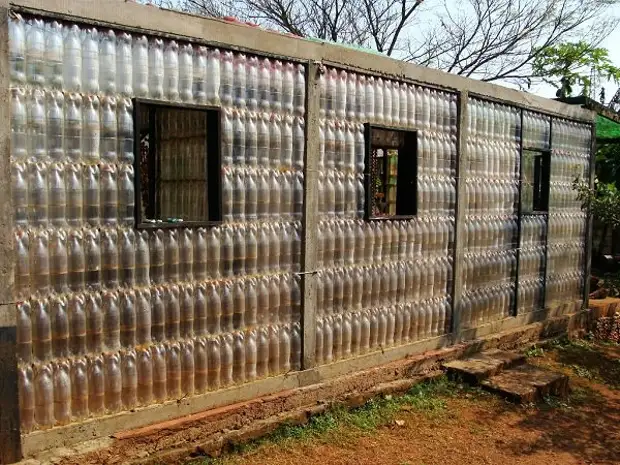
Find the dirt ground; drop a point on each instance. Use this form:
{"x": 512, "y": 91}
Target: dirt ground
{"x": 470, "y": 427}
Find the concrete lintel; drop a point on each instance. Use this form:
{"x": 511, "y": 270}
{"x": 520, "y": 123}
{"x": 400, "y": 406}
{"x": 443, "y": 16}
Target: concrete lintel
{"x": 148, "y": 19}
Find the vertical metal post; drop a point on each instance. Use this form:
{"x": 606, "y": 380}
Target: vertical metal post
{"x": 515, "y": 310}
{"x": 10, "y": 441}
{"x": 310, "y": 218}
{"x": 461, "y": 208}
{"x": 589, "y": 224}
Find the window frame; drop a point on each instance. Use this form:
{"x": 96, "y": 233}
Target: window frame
{"x": 402, "y": 195}
{"x": 213, "y": 161}
{"x": 542, "y": 177}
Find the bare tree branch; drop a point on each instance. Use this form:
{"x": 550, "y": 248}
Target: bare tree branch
{"x": 486, "y": 39}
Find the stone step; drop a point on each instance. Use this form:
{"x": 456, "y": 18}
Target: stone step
{"x": 481, "y": 366}
{"x": 527, "y": 383}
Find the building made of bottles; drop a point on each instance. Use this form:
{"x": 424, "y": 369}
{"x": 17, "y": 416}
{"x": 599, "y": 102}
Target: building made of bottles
{"x": 188, "y": 217}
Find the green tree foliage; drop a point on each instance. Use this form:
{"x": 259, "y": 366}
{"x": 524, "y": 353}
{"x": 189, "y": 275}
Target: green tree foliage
{"x": 570, "y": 64}
{"x": 602, "y": 200}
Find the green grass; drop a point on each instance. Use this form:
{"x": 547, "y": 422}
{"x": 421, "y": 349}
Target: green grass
{"x": 535, "y": 351}
{"x": 340, "y": 422}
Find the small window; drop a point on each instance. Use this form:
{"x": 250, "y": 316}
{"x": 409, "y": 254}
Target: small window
{"x": 535, "y": 182}
{"x": 391, "y": 173}
{"x": 178, "y": 166}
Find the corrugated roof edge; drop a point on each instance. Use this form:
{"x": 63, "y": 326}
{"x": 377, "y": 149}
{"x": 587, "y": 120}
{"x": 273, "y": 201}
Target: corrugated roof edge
{"x": 146, "y": 19}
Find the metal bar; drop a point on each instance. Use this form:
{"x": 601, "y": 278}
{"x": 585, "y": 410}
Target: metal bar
{"x": 515, "y": 310}
{"x": 462, "y": 157}
{"x": 589, "y": 219}
{"x": 310, "y": 218}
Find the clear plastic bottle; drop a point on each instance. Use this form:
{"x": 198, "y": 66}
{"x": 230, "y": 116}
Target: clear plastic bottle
{"x": 186, "y": 72}
{"x": 299, "y": 93}
{"x": 17, "y": 48}
{"x": 145, "y": 376}
{"x": 124, "y": 64}
{"x": 54, "y": 51}
{"x": 107, "y": 62}
{"x": 109, "y": 129}
{"x": 171, "y": 70}
{"x": 90, "y": 61}
{"x": 239, "y": 80}
{"x": 275, "y": 82}
{"x": 37, "y": 125}
{"x": 19, "y": 124}
{"x": 109, "y": 194}
{"x": 35, "y": 52}
{"x": 140, "y": 64}
{"x": 125, "y": 131}
{"x": 91, "y": 128}
{"x": 226, "y": 78}
{"x": 213, "y": 77}
{"x": 44, "y": 396}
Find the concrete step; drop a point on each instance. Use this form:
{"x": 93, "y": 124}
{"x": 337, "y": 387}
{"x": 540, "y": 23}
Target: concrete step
{"x": 527, "y": 383}
{"x": 481, "y": 366}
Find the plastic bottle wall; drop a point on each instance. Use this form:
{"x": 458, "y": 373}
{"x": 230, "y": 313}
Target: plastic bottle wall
{"x": 111, "y": 317}
{"x": 570, "y": 153}
{"x": 490, "y": 233}
{"x": 532, "y": 258}
{"x": 382, "y": 283}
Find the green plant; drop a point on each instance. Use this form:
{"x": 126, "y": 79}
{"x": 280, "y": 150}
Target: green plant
{"x": 535, "y": 352}
{"x": 611, "y": 283}
{"x": 571, "y": 64}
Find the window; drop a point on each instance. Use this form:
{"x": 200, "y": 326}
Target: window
{"x": 535, "y": 182}
{"x": 391, "y": 173}
{"x": 178, "y": 164}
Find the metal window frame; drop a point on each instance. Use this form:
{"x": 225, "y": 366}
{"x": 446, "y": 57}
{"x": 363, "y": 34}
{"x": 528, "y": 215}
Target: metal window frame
{"x": 213, "y": 161}
{"x": 368, "y": 148}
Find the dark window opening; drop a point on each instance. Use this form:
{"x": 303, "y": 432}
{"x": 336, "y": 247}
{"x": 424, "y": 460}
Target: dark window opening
{"x": 178, "y": 167}
{"x": 535, "y": 182}
{"x": 391, "y": 173}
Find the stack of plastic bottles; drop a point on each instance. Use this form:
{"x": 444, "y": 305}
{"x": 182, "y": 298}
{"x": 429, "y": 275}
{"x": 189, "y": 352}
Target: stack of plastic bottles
{"x": 533, "y": 247}
{"x": 571, "y": 148}
{"x": 491, "y": 174}
{"x": 382, "y": 283}
{"x": 111, "y": 318}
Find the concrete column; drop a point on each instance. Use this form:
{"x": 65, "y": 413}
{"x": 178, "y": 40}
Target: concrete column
{"x": 310, "y": 217}
{"x": 588, "y": 251}
{"x": 461, "y": 209}
{"x": 10, "y": 444}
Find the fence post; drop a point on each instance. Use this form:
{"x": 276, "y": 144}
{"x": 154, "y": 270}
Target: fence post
{"x": 461, "y": 209}
{"x": 310, "y": 218}
{"x": 10, "y": 441}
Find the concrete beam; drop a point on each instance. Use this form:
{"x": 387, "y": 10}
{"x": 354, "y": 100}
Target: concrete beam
{"x": 310, "y": 217}
{"x": 149, "y": 19}
{"x": 461, "y": 210}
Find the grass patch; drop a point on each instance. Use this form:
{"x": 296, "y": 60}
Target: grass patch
{"x": 588, "y": 359}
{"x": 339, "y": 422}
{"x": 535, "y": 351}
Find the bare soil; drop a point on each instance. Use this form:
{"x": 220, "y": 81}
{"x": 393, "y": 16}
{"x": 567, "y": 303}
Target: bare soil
{"x": 477, "y": 428}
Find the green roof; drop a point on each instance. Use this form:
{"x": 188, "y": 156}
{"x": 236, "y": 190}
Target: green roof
{"x": 606, "y": 129}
